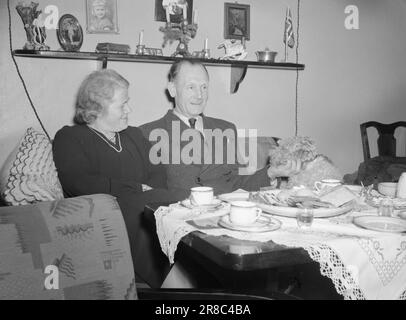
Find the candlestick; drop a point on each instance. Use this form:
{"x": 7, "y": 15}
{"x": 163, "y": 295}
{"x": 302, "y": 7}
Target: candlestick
{"x": 206, "y": 42}
{"x": 184, "y": 13}
{"x": 141, "y": 37}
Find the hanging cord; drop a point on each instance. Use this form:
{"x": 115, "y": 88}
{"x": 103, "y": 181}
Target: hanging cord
{"x": 297, "y": 71}
{"x": 19, "y": 74}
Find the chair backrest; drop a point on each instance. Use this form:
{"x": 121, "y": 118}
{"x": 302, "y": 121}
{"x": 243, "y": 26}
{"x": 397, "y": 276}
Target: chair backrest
{"x": 263, "y": 145}
{"x": 386, "y": 139}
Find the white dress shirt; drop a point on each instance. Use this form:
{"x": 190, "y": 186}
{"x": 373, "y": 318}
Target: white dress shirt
{"x": 198, "y": 125}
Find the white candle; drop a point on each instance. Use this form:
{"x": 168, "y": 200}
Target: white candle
{"x": 194, "y": 17}
{"x": 206, "y": 44}
{"x": 184, "y": 13}
{"x": 141, "y": 38}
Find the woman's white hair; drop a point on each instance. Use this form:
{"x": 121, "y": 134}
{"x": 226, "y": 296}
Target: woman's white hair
{"x": 95, "y": 93}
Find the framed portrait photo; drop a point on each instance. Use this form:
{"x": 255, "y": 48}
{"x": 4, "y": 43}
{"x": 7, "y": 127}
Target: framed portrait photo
{"x": 174, "y": 11}
{"x": 101, "y": 16}
{"x": 236, "y": 21}
{"x": 69, "y": 33}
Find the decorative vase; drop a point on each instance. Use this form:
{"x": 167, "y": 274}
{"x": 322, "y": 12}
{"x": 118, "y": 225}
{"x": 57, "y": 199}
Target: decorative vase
{"x": 34, "y": 27}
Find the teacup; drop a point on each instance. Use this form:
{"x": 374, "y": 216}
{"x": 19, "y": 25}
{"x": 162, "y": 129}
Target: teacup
{"x": 326, "y": 184}
{"x": 388, "y": 188}
{"x": 244, "y": 213}
{"x": 201, "y": 196}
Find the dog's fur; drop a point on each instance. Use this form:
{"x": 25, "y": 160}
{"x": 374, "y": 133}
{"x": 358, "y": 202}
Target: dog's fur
{"x": 315, "y": 167}
{"x": 318, "y": 169}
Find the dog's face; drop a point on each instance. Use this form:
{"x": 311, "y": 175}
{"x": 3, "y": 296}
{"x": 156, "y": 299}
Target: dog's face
{"x": 301, "y": 148}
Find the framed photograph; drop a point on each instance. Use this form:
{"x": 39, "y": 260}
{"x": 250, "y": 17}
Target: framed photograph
{"x": 236, "y": 21}
{"x": 69, "y": 33}
{"x": 101, "y": 16}
{"x": 174, "y": 11}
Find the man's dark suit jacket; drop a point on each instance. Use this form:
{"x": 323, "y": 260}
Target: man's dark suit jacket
{"x": 223, "y": 177}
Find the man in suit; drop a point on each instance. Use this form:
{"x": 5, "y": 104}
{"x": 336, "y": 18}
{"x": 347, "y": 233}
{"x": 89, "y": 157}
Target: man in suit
{"x": 198, "y": 150}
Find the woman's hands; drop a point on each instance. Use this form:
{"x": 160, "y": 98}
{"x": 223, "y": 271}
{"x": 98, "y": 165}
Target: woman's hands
{"x": 290, "y": 168}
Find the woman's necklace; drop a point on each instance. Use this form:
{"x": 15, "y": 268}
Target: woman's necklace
{"x": 119, "y": 149}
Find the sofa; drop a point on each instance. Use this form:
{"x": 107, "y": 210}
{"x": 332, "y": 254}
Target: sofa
{"x": 57, "y": 248}
{"x": 75, "y": 248}
{"x": 84, "y": 238}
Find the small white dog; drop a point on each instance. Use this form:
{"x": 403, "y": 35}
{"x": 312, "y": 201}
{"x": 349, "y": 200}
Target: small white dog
{"x": 315, "y": 167}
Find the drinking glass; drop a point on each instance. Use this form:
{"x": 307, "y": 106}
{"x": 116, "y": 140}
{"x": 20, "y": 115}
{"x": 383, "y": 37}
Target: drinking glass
{"x": 386, "y": 207}
{"x": 304, "y": 218}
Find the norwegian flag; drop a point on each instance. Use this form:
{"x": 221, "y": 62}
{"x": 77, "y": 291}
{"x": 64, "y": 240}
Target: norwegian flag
{"x": 288, "y": 36}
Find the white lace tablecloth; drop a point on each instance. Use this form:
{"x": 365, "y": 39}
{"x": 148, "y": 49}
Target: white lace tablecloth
{"x": 362, "y": 264}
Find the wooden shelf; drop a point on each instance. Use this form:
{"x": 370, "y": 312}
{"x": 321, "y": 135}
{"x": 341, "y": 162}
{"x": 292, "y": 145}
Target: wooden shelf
{"x": 238, "y": 68}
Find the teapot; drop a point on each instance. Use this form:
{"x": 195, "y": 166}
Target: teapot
{"x": 266, "y": 56}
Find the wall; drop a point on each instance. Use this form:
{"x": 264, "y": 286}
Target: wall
{"x": 350, "y": 76}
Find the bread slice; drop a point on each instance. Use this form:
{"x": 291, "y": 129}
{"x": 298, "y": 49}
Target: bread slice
{"x": 338, "y": 196}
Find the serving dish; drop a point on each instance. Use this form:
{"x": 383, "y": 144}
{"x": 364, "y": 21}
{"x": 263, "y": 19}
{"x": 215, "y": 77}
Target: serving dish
{"x": 379, "y": 223}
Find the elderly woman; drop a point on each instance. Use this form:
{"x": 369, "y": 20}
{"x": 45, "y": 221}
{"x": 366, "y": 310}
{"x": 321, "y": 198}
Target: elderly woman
{"x": 102, "y": 154}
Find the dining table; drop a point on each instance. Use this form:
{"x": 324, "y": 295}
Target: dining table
{"x": 344, "y": 259}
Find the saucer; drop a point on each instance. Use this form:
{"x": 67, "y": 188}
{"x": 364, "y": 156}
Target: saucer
{"x": 383, "y": 224}
{"x": 263, "y": 224}
{"x": 188, "y": 204}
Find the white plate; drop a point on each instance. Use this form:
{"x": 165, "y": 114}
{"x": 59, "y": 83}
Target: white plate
{"x": 234, "y": 196}
{"x": 291, "y": 212}
{"x": 384, "y": 224}
{"x": 215, "y": 204}
{"x": 263, "y": 224}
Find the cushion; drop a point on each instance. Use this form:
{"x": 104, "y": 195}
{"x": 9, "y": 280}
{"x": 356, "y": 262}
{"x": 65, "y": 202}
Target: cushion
{"x": 29, "y": 174}
{"x": 85, "y": 238}
{"x": 263, "y": 145}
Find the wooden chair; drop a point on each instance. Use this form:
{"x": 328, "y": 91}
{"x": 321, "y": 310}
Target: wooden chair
{"x": 386, "y": 140}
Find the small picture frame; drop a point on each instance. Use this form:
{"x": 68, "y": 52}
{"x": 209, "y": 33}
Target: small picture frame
{"x": 236, "y": 21}
{"x": 101, "y": 16}
{"x": 174, "y": 10}
{"x": 69, "y": 33}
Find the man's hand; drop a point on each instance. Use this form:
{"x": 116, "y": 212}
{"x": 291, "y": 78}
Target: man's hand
{"x": 291, "y": 167}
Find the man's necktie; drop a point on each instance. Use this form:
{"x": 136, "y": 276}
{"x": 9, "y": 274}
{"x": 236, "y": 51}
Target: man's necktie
{"x": 192, "y": 122}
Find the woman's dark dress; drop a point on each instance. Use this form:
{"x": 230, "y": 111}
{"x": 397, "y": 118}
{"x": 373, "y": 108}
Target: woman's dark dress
{"x": 87, "y": 165}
